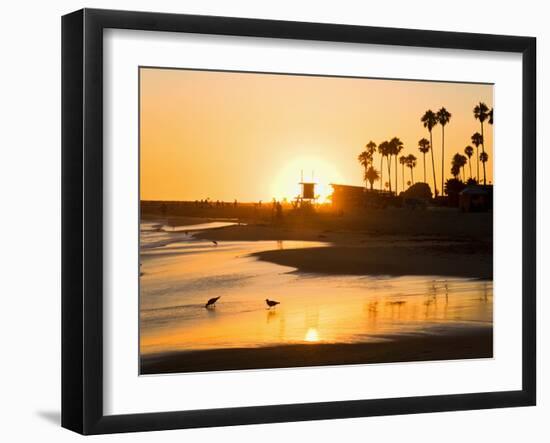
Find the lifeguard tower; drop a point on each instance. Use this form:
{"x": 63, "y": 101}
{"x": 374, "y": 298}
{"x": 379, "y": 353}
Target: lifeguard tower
{"x": 307, "y": 196}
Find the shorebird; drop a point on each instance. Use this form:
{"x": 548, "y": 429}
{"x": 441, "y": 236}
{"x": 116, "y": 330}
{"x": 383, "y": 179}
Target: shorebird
{"x": 211, "y": 302}
{"x": 215, "y": 242}
{"x": 271, "y": 303}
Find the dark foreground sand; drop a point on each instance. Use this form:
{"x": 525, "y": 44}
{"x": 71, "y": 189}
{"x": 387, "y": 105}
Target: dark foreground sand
{"x": 456, "y": 345}
{"x": 384, "y": 260}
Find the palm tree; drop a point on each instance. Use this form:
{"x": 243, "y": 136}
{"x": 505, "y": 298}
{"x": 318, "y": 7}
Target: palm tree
{"x": 457, "y": 164}
{"x": 389, "y": 153}
{"x": 411, "y": 163}
{"x": 371, "y": 175}
{"x": 443, "y": 117}
{"x": 371, "y": 148}
{"x": 462, "y": 164}
{"x": 477, "y": 139}
{"x": 455, "y": 170}
{"x": 403, "y": 162}
{"x": 469, "y": 151}
{"x": 424, "y": 147}
{"x": 382, "y": 148}
{"x": 429, "y": 119}
{"x": 491, "y": 116}
{"x": 365, "y": 160}
{"x": 385, "y": 150}
{"x": 481, "y": 113}
{"x": 483, "y": 157}
{"x": 396, "y": 148}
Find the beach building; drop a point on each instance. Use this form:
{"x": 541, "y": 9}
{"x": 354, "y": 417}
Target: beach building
{"x": 347, "y": 197}
{"x": 475, "y": 198}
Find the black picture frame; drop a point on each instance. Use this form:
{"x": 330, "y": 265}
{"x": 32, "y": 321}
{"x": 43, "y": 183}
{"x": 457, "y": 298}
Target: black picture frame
{"x": 82, "y": 219}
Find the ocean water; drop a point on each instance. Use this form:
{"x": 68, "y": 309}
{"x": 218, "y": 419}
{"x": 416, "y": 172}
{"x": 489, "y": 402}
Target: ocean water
{"x": 179, "y": 273}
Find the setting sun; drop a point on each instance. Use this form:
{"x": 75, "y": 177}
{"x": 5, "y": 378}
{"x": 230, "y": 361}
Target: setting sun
{"x": 286, "y": 183}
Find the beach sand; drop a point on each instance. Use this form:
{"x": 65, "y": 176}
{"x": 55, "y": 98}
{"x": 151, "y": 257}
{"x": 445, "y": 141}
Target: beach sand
{"x": 394, "y": 243}
{"x": 356, "y": 252}
{"x": 383, "y": 260}
{"x": 466, "y": 344}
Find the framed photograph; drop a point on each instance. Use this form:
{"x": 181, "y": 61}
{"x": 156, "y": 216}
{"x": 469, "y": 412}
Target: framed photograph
{"x": 268, "y": 221}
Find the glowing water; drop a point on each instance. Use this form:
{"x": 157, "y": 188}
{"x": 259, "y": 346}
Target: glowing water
{"x": 181, "y": 273}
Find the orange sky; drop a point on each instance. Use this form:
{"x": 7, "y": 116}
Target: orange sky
{"x": 228, "y": 136}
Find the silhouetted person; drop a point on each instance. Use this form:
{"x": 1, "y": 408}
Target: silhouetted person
{"x": 279, "y": 211}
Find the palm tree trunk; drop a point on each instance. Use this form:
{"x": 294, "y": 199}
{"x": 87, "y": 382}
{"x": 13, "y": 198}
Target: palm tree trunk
{"x": 433, "y": 163}
{"x": 483, "y": 149}
{"x": 442, "y": 156}
{"x": 381, "y": 173}
{"x": 424, "y": 158}
{"x": 477, "y": 163}
{"x": 482, "y": 139}
{"x": 470, "y": 164}
{"x": 388, "y": 161}
{"x": 396, "y": 170}
{"x": 403, "y": 175}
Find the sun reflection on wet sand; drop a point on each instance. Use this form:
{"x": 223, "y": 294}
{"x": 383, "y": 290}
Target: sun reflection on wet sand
{"x": 311, "y": 335}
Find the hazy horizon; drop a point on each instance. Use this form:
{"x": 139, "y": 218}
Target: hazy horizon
{"x": 248, "y": 136}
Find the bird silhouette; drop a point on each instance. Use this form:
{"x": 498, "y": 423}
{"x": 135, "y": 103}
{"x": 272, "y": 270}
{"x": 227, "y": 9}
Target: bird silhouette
{"x": 215, "y": 242}
{"x": 272, "y": 303}
{"x": 211, "y": 302}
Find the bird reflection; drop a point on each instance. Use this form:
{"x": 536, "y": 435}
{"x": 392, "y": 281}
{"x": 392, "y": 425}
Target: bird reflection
{"x": 271, "y": 314}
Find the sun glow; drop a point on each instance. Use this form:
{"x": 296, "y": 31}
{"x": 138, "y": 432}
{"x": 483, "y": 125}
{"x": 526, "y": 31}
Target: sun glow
{"x": 312, "y": 335}
{"x": 286, "y": 184}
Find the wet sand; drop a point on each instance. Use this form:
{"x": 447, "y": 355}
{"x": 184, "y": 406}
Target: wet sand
{"x": 441, "y": 222}
{"x": 363, "y": 253}
{"x": 467, "y": 344}
{"x": 382, "y": 260}
{"x": 353, "y": 252}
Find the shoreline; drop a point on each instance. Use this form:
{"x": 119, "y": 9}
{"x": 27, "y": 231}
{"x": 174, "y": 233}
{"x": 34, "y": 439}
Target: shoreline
{"x": 359, "y": 252}
{"x": 471, "y": 343}
{"x": 362, "y": 253}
